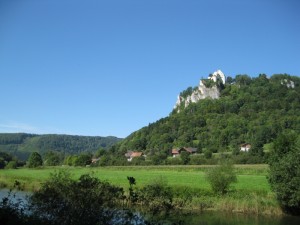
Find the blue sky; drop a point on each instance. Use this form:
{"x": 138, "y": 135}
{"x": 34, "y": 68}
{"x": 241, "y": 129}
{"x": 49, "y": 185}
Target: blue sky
{"x": 93, "y": 67}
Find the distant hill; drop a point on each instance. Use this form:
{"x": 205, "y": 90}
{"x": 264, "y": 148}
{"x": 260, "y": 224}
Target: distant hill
{"x": 22, "y": 144}
{"x": 241, "y": 110}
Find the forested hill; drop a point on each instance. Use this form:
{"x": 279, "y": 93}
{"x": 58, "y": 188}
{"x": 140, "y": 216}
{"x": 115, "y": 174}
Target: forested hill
{"x": 249, "y": 110}
{"x": 22, "y": 144}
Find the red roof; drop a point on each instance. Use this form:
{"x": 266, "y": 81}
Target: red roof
{"x": 133, "y": 154}
{"x": 136, "y": 154}
{"x": 175, "y": 151}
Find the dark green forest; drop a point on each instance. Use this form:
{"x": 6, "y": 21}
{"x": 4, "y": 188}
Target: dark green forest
{"x": 250, "y": 110}
{"x": 22, "y": 145}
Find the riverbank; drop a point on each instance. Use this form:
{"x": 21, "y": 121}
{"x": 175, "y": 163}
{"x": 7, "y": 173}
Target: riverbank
{"x": 251, "y": 194}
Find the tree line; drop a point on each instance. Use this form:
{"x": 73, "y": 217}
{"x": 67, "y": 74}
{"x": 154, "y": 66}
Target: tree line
{"x": 22, "y": 145}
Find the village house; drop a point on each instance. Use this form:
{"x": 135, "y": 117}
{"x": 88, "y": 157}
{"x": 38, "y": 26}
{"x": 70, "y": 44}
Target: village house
{"x": 130, "y": 155}
{"x": 176, "y": 152}
{"x": 245, "y": 147}
{"x": 95, "y": 160}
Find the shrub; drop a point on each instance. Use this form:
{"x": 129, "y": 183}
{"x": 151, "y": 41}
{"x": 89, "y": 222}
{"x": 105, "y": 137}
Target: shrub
{"x": 221, "y": 176}
{"x": 284, "y": 175}
{"x": 157, "y": 196}
{"x": 133, "y": 196}
{"x": 208, "y": 154}
{"x": 35, "y": 160}
{"x": 185, "y": 157}
{"x": 11, "y": 165}
{"x": 65, "y": 201}
{"x": 174, "y": 161}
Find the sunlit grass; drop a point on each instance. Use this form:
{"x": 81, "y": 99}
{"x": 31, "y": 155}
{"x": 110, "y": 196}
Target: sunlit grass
{"x": 251, "y": 193}
{"x": 250, "y": 178}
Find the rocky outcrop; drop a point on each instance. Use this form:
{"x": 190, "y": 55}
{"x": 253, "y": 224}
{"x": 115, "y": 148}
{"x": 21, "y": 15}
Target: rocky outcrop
{"x": 202, "y": 91}
{"x": 288, "y": 83}
{"x": 218, "y": 74}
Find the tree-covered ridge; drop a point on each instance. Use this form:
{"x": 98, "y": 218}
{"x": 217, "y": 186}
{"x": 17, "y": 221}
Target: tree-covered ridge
{"x": 21, "y": 144}
{"x": 250, "y": 110}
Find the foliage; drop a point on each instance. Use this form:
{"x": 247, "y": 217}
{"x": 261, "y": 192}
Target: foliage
{"x": 250, "y": 110}
{"x": 2, "y": 163}
{"x": 157, "y": 196}
{"x": 208, "y": 83}
{"x": 221, "y": 177}
{"x": 21, "y": 145}
{"x": 35, "y": 160}
{"x": 5, "y": 156}
{"x": 100, "y": 152}
{"x": 284, "y": 174}
{"x": 187, "y": 92}
{"x": 83, "y": 159}
{"x": 208, "y": 154}
{"x": 52, "y": 158}
{"x": 185, "y": 157}
{"x": 133, "y": 195}
{"x": 62, "y": 200}
{"x": 11, "y": 165}
{"x": 174, "y": 161}
{"x": 7, "y": 161}
{"x": 14, "y": 138}
{"x": 13, "y": 211}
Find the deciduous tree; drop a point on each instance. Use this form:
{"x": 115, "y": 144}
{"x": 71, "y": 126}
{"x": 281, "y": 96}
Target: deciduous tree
{"x": 284, "y": 174}
{"x": 35, "y": 160}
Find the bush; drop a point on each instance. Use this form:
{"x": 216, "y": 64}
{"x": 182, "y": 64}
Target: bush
{"x": 52, "y": 159}
{"x": 185, "y": 157}
{"x": 35, "y": 160}
{"x": 284, "y": 175}
{"x": 65, "y": 201}
{"x": 11, "y": 165}
{"x": 157, "y": 196}
{"x": 83, "y": 159}
{"x": 208, "y": 154}
{"x": 174, "y": 161}
{"x": 197, "y": 160}
{"x": 221, "y": 176}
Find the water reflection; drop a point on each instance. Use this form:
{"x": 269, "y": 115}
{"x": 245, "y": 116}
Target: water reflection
{"x": 214, "y": 218}
{"x": 206, "y": 218}
{"x": 18, "y": 194}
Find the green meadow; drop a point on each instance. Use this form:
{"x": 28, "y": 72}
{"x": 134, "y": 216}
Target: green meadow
{"x": 251, "y": 193}
{"x": 250, "y": 177}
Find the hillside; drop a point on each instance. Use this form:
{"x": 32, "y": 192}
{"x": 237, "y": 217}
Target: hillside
{"x": 21, "y": 144}
{"x": 247, "y": 110}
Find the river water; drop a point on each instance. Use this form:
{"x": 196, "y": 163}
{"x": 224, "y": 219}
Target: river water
{"x": 204, "y": 218}
{"x": 217, "y": 218}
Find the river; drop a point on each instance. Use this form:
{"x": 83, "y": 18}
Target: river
{"x": 204, "y": 218}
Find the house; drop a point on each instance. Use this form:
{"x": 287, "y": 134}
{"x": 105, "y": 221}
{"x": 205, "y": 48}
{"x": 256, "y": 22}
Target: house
{"x": 176, "y": 152}
{"x": 130, "y": 155}
{"x": 95, "y": 160}
{"x": 189, "y": 150}
{"x": 245, "y": 147}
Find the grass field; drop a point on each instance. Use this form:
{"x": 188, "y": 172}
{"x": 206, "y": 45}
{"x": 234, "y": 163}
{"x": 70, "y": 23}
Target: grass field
{"x": 250, "y": 177}
{"x": 252, "y": 193}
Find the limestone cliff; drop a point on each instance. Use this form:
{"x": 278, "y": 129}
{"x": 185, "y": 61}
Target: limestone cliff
{"x": 207, "y": 88}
